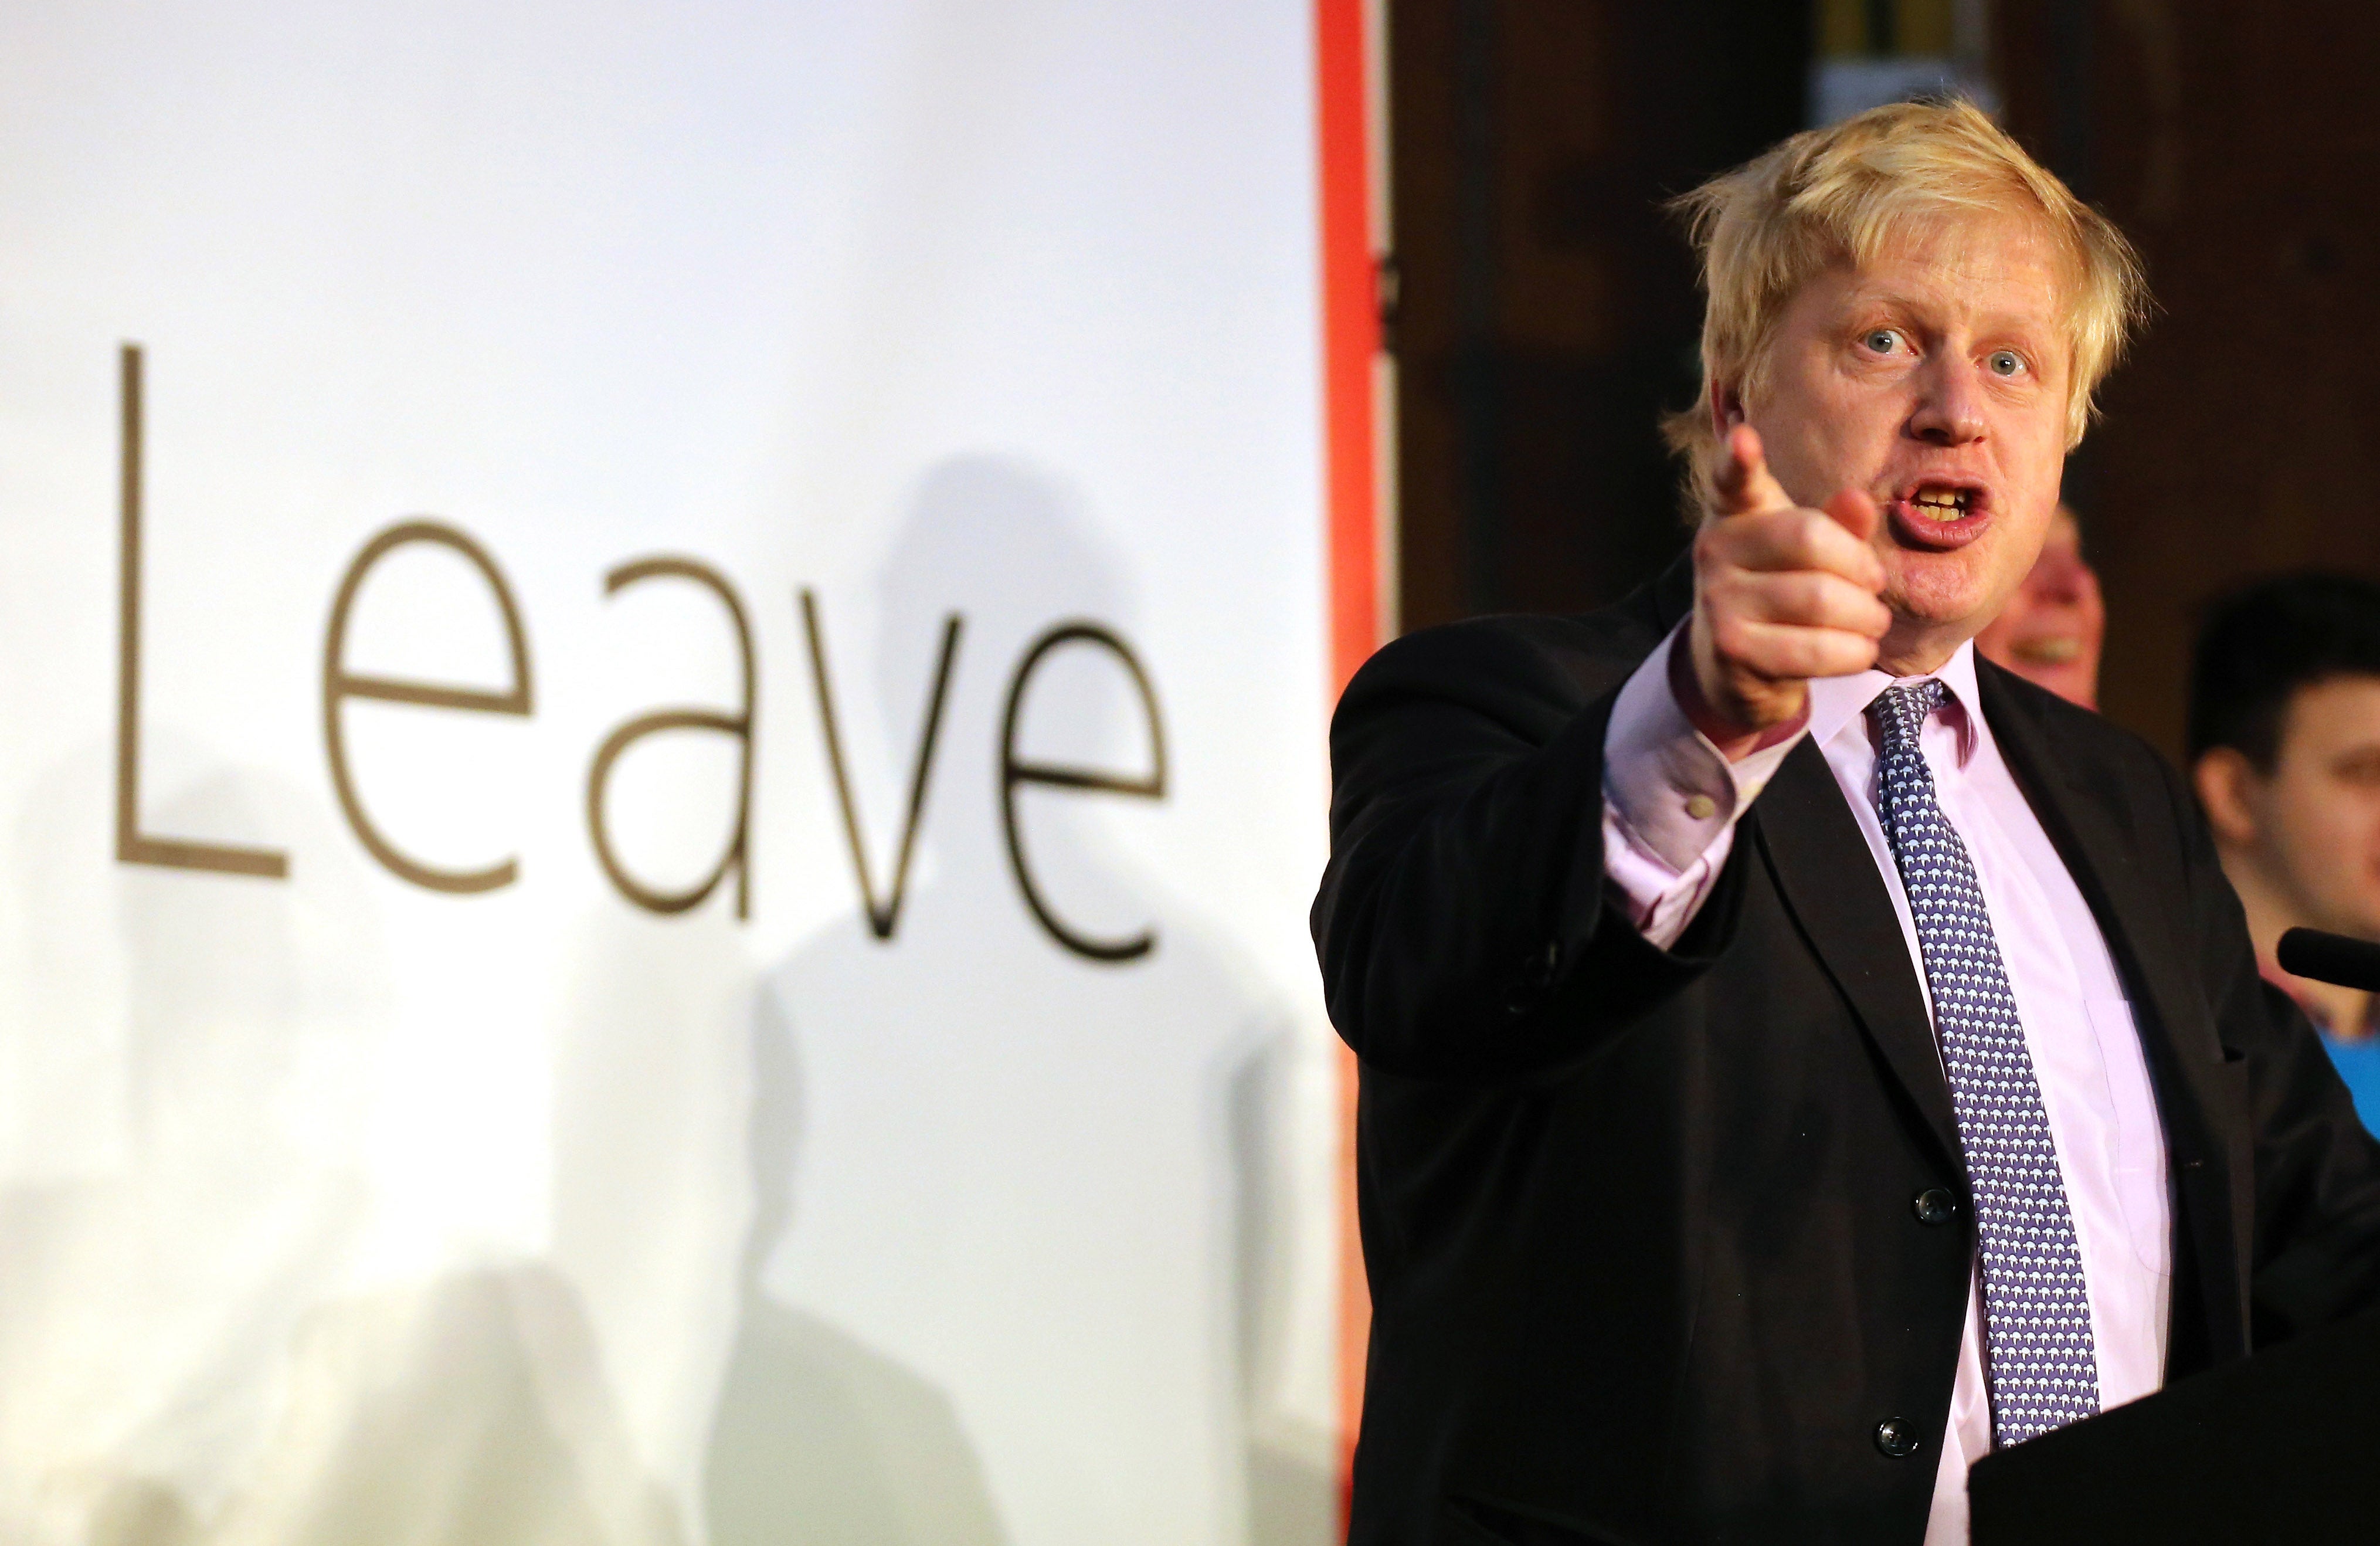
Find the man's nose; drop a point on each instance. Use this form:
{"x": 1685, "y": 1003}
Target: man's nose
{"x": 1949, "y": 409}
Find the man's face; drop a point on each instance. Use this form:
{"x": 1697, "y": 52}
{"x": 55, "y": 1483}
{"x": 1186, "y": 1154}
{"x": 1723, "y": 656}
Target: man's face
{"x": 2051, "y": 629}
{"x": 2317, "y": 817}
{"x": 1934, "y": 379}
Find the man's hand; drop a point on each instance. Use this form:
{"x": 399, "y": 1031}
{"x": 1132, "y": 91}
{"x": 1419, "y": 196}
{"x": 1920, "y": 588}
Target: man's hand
{"x": 1782, "y": 593}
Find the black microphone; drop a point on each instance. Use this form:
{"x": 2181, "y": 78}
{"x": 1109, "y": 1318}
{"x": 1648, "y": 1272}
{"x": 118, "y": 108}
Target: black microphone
{"x": 2333, "y": 958}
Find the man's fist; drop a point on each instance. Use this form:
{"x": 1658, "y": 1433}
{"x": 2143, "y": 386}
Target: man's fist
{"x": 1782, "y": 593}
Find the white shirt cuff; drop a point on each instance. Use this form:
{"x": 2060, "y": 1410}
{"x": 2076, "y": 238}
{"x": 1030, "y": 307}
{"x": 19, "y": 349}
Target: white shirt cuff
{"x": 1670, "y": 799}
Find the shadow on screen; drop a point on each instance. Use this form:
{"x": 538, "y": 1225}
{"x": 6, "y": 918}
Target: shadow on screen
{"x": 194, "y": 1257}
{"x": 913, "y": 1075}
{"x": 818, "y": 1438}
{"x": 472, "y": 1410}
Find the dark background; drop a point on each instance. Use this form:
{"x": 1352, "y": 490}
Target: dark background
{"x": 1545, "y": 313}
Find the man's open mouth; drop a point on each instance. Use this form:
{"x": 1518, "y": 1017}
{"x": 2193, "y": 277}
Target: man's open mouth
{"x": 1940, "y": 502}
{"x": 1938, "y": 517}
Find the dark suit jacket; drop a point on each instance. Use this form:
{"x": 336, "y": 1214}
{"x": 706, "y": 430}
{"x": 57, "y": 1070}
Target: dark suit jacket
{"x": 1639, "y": 1224}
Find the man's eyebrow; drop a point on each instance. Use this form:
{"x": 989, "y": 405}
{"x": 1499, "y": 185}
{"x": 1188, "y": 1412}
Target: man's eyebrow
{"x": 1861, "y": 300}
{"x": 2018, "y": 318}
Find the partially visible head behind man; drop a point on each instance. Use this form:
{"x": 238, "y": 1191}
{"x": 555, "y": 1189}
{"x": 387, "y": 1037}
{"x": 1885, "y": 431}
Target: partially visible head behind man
{"x": 2262, "y": 644}
{"x": 1844, "y": 193}
{"x": 2285, "y": 752}
{"x": 2051, "y": 630}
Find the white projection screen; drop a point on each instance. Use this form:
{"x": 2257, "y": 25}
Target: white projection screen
{"x": 662, "y": 700}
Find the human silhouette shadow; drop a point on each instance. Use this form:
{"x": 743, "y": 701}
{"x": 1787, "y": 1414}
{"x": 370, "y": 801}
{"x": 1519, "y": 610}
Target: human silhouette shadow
{"x": 1055, "y": 1182}
{"x": 818, "y": 1438}
{"x": 198, "y": 1273}
{"x": 201, "y": 1203}
{"x": 469, "y": 1412}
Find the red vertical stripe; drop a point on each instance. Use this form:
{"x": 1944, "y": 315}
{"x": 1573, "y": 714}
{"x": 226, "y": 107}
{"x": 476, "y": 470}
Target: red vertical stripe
{"x": 1351, "y": 335}
{"x": 1351, "y": 340}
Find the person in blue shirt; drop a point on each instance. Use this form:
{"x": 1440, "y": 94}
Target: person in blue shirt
{"x": 2285, "y": 751}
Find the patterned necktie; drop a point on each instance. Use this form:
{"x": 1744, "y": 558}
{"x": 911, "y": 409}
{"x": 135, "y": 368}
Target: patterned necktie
{"x": 2042, "y": 1370}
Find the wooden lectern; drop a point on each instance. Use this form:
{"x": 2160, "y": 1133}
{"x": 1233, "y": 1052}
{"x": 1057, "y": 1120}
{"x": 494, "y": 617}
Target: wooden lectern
{"x": 2281, "y": 1447}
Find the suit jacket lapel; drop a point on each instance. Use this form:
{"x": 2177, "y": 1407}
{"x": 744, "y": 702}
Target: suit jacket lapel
{"x": 2206, "y": 1146}
{"x": 1820, "y": 859}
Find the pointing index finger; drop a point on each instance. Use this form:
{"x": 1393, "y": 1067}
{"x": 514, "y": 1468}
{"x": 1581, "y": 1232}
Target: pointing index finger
{"x": 1857, "y": 513}
{"x": 1742, "y": 482}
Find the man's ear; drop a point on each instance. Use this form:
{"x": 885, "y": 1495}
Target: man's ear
{"x": 2226, "y": 783}
{"x": 1726, "y": 407}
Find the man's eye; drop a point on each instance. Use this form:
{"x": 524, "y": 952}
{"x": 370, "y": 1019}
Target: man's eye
{"x": 1884, "y": 340}
{"x": 2004, "y": 362}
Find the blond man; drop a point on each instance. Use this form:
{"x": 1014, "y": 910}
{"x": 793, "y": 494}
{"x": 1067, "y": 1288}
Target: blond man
{"x": 1797, "y": 1057}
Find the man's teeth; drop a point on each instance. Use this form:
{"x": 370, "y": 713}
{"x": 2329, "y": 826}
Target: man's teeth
{"x": 1941, "y": 504}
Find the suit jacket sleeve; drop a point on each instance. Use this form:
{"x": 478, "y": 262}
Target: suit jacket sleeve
{"x": 1463, "y": 924}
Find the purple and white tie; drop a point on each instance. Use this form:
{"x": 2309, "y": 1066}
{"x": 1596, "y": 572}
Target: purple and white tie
{"x": 2042, "y": 1370}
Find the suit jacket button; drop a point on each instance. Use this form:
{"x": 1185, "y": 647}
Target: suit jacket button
{"x": 1896, "y": 1438}
{"x": 1535, "y": 975}
{"x": 1934, "y": 1205}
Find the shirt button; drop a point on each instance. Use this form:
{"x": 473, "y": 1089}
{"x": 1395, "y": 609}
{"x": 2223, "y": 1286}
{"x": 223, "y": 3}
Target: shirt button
{"x": 1701, "y": 807}
{"x": 1896, "y": 1438}
{"x": 1934, "y": 1205}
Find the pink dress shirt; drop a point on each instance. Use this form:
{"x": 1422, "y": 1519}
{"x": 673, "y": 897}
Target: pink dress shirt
{"x": 1670, "y": 803}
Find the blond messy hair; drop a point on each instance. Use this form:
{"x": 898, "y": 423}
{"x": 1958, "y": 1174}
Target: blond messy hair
{"x": 1841, "y": 194}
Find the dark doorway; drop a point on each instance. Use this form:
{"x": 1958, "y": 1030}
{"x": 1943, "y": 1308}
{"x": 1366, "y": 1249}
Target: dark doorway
{"x": 1546, "y": 313}
{"x": 2236, "y": 145}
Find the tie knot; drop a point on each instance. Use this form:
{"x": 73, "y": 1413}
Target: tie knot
{"x": 1901, "y": 711}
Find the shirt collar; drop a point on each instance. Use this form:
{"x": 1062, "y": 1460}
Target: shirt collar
{"x": 1836, "y": 701}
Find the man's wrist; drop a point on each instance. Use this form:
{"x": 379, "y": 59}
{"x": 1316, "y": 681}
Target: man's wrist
{"x": 1732, "y": 741}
